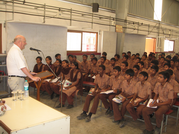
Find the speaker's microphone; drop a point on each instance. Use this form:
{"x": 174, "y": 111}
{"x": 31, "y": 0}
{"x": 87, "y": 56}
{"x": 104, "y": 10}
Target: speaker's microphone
{"x": 33, "y": 49}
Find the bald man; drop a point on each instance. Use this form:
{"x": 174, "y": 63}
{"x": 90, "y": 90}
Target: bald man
{"x": 17, "y": 66}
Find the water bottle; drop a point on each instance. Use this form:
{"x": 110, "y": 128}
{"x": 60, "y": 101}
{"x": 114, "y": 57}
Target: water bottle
{"x": 26, "y": 89}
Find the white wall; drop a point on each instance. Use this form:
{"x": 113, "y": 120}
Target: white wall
{"x": 50, "y": 39}
{"x": 134, "y": 43}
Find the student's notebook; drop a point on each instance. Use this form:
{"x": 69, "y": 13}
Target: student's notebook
{"x": 118, "y": 99}
{"x": 107, "y": 92}
{"x": 151, "y": 100}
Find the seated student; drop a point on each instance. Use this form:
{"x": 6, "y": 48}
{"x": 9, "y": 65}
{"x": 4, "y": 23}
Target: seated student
{"x": 132, "y": 62}
{"x": 136, "y": 61}
{"x": 102, "y": 83}
{"x": 168, "y": 57}
{"x": 111, "y": 66}
{"x": 123, "y": 54}
{"x": 57, "y": 56}
{"x": 70, "y": 58}
{"x": 117, "y": 57}
{"x": 91, "y": 58}
{"x": 107, "y": 62}
{"x": 84, "y": 67}
{"x": 46, "y": 85}
{"x": 129, "y": 55}
{"x": 127, "y": 91}
{"x": 75, "y": 60}
{"x": 144, "y": 59}
{"x": 149, "y": 59}
{"x": 174, "y": 83}
{"x": 103, "y": 62}
{"x": 115, "y": 85}
{"x": 172, "y": 64}
{"x": 136, "y": 73}
{"x": 93, "y": 69}
{"x": 39, "y": 66}
{"x": 161, "y": 63}
{"x": 65, "y": 74}
{"x": 164, "y": 93}
{"x": 176, "y": 71}
{"x": 77, "y": 83}
{"x": 152, "y": 79}
{"x": 49, "y": 62}
{"x": 137, "y": 55}
{"x": 142, "y": 92}
{"x": 124, "y": 66}
{"x": 153, "y": 62}
{"x": 166, "y": 67}
{"x": 141, "y": 65}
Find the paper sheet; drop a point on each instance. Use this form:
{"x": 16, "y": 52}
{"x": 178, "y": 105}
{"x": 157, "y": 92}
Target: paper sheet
{"x": 151, "y": 100}
{"x": 7, "y": 107}
{"x": 55, "y": 80}
{"x": 107, "y": 92}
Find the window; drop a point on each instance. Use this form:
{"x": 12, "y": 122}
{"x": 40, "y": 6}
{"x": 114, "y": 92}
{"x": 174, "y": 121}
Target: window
{"x": 79, "y": 41}
{"x": 158, "y": 9}
{"x": 168, "y": 46}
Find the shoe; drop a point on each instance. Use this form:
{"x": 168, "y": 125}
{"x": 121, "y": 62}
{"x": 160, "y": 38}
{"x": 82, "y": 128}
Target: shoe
{"x": 157, "y": 130}
{"x": 107, "y": 111}
{"x": 70, "y": 106}
{"x": 117, "y": 122}
{"x": 59, "y": 105}
{"x": 88, "y": 118}
{"x": 148, "y": 132}
{"x": 52, "y": 95}
{"x": 122, "y": 123}
{"x": 81, "y": 116}
{"x": 141, "y": 117}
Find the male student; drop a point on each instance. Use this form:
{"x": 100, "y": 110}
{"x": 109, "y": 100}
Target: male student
{"x": 136, "y": 73}
{"x": 141, "y": 65}
{"x": 115, "y": 85}
{"x": 127, "y": 92}
{"x": 165, "y": 94}
{"x": 84, "y": 67}
{"x": 111, "y": 66}
{"x": 166, "y": 67}
{"x": 107, "y": 62}
{"x": 153, "y": 62}
{"x": 103, "y": 62}
{"x": 102, "y": 83}
{"x": 94, "y": 68}
{"x": 132, "y": 61}
{"x": 124, "y": 66}
{"x": 176, "y": 71}
{"x": 70, "y": 58}
{"x": 91, "y": 58}
{"x": 144, "y": 59}
{"x": 161, "y": 63}
{"x": 117, "y": 57}
{"x": 142, "y": 92}
{"x": 75, "y": 60}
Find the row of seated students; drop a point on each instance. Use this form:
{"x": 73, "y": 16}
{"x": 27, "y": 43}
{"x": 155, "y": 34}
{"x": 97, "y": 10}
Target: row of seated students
{"x": 136, "y": 84}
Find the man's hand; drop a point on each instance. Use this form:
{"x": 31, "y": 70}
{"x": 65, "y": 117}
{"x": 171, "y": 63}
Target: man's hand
{"x": 33, "y": 73}
{"x": 35, "y": 78}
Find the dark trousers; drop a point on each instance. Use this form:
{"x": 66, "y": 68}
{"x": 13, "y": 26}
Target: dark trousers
{"x": 158, "y": 114}
{"x": 107, "y": 100}
{"x": 88, "y": 100}
{"x": 135, "y": 113}
{"x": 55, "y": 88}
{"x": 119, "y": 114}
{"x": 46, "y": 87}
{"x": 66, "y": 97}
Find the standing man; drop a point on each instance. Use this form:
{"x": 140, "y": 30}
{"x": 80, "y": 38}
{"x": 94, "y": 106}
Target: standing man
{"x": 17, "y": 66}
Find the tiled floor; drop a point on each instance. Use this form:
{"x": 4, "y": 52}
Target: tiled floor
{"x": 100, "y": 123}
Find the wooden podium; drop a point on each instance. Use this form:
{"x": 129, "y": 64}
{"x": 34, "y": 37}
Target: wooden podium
{"x": 43, "y": 75}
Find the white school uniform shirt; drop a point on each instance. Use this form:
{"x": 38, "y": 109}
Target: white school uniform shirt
{"x": 16, "y": 61}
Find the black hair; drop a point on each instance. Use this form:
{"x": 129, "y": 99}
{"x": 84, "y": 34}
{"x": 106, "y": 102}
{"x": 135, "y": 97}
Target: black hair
{"x": 126, "y": 63}
{"x": 138, "y": 58}
{"x": 168, "y": 56}
{"x": 163, "y": 54}
{"x": 165, "y": 74}
{"x": 56, "y": 55}
{"x": 175, "y": 58}
{"x": 104, "y": 58}
{"x": 104, "y": 53}
{"x": 85, "y": 55}
{"x": 126, "y": 56}
{"x": 117, "y": 55}
{"x": 74, "y": 56}
{"x": 168, "y": 61}
{"x": 59, "y": 61}
{"x": 94, "y": 59}
{"x": 170, "y": 72}
{"x": 76, "y": 64}
{"x": 167, "y": 64}
{"x": 137, "y": 67}
{"x": 48, "y": 57}
{"x": 145, "y": 74}
{"x": 150, "y": 54}
{"x": 163, "y": 58}
{"x": 39, "y": 57}
{"x": 93, "y": 54}
{"x": 155, "y": 62}
{"x": 70, "y": 56}
{"x": 137, "y": 54}
{"x": 65, "y": 61}
{"x": 155, "y": 67}
{"x": 123, "y": 53}
{"x": 118, "y": 68}
{"x": 113, "y": 59}
{"x": 133, "y": 54}
{"x": 102, "y": 66}
{"x": 145, "y": 55}
{"x": 130, "y": 72}
{"x": 141, "y": 62}
{"x": 129, "y": 52}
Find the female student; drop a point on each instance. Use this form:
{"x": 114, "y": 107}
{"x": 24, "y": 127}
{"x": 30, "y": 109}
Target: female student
{"x": 77, "y": 83}
{"x": 65, "y": 74}
{"x": 46, "y": 84}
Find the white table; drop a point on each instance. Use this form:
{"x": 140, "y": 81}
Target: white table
{"x": 33, "y": 117}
